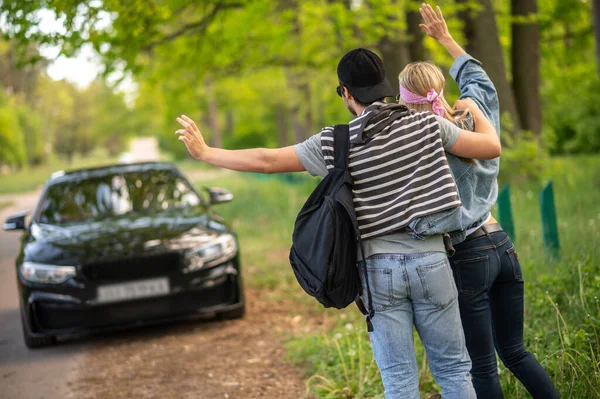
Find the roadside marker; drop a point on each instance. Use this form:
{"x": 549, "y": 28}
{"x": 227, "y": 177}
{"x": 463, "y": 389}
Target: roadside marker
{"x": 505, "y": 212}
{"x": 549, "y": 225}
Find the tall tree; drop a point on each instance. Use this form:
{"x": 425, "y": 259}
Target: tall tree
{"x": 481, "y": 32}
{"x": 416, "y": 46}
{"x": 213, "y": 113}
{"x": 526, "y": 63}
{"x": 596, "y": 16}
{"x": 395, "y": 54}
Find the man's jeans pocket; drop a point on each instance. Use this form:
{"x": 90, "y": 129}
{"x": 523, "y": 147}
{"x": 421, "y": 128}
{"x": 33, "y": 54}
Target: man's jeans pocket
{"x": 380, "y": 284}
{"x": 438, "y": 284}
{"x": 471, "y": 274}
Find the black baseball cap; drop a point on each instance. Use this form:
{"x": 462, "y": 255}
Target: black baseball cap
{"x": 362, "y": 72}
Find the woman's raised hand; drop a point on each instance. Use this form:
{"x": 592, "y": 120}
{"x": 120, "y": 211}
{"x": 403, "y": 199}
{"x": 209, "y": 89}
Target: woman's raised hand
{"x": 192, "y": 137}
{"x": 435, "y": 25}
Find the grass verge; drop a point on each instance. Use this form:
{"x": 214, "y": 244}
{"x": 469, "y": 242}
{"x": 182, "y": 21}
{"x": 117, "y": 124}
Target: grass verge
{"x": 562, "y": 311}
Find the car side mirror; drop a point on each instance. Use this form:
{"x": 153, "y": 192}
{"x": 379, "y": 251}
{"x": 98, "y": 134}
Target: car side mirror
{"x": 218, "y": 195}
{"x": 16, "y": 221}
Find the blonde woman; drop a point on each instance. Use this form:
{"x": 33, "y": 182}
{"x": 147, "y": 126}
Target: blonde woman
{"x": 485, "y": 266}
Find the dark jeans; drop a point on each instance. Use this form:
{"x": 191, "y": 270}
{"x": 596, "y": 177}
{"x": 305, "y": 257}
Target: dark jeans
{"x": 490, "y": 286}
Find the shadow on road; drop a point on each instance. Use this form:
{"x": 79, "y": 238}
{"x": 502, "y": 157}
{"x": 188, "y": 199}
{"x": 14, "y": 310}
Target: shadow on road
{"x": 78, "y": 342}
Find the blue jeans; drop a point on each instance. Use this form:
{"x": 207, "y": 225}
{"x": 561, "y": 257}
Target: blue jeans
{"x": 417, "y": 290}
{"x": 490, "y": 285}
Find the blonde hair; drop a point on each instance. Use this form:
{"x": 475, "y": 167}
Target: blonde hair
{"x": 420, "y": 77}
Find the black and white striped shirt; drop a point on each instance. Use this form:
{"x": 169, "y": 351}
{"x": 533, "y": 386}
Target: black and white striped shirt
{"x": 398, "y": 165}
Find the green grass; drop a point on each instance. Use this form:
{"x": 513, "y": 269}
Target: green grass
{"x": 562, "y": 312}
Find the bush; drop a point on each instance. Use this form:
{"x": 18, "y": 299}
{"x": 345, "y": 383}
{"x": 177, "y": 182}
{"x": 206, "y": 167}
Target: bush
{"x": 571, "y": 116}
{"x": 523, "y": 159}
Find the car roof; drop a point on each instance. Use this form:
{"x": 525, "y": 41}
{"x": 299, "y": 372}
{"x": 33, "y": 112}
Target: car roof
{"x": 100, "y": 171}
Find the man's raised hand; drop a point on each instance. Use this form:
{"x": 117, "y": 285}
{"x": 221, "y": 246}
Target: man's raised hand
{"x": 192, "y": 137}
{"x": 435, "y": 25}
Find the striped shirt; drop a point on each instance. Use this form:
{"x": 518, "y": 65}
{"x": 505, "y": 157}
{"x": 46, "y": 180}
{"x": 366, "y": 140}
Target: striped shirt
{"x": 398, "y": 166}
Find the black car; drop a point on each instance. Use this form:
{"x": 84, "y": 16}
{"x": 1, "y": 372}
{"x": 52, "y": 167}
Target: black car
{"x": 122, "y": 246}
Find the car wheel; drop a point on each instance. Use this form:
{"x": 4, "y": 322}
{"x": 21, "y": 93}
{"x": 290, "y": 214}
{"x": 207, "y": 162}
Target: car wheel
{"x": 35, "y": 342}
{"x": 232, "y": 314}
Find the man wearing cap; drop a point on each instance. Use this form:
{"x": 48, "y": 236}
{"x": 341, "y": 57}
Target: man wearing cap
{"x": 400, "y": 175}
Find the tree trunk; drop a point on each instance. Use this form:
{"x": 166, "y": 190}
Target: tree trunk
{"x": 483, "y": 40}
{"x": 526, "y": 65}
{"x": 300, "y": 104}
{"x": 596, "y": 16}
{"x": 396, "y": 55}
{"x": 229, "y": 124}
{"x": 213, "y": 114}
{"x": 282, "y": 125}
{"x": 416, "y": 47}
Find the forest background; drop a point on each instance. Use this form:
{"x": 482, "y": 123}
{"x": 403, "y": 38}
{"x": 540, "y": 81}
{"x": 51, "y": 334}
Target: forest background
{"x": 262, "y": 72}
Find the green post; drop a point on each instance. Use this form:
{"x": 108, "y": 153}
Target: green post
{"x": 505, "y": 212}
{"x": 549, "y": 225}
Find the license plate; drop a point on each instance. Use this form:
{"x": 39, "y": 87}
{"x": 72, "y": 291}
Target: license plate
{"x": 134, "y": 290}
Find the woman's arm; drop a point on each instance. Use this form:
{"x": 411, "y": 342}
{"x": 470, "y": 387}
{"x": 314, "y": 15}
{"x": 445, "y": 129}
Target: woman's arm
{"x": 482, "y": 144}
{"x": 473, "y": 82}
{"x": 435, "y": 26}
{"x": 259, "y": 160}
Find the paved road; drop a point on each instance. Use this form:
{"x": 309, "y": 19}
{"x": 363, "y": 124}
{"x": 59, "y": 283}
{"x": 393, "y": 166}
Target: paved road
{"x": 24, "y": 373}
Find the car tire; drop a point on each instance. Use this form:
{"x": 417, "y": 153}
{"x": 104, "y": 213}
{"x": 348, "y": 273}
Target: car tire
{"x": 232, "y": 314}
{"x": 35, "y": 342}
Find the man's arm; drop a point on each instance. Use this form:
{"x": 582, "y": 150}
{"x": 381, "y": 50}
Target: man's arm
{"x": 259, "y": 160}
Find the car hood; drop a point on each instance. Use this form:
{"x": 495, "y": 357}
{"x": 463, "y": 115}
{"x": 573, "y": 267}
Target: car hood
{"x": 121, "y": 237}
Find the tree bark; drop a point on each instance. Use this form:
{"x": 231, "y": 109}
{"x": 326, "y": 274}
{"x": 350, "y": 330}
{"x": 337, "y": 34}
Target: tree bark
{"x": 282, "y": 125}
{"x": 526, "y": 64}
{"x": 395, "y": 54}
{"x": 481, "y": 32}
{"x": 301, "y": 113}
{"x": 229, "y": 124}
{"x": 213, "y": 114}
{"x": 299, "y": 104}
{"x": 596, "y": 16}
{"x": 416, "y": 47}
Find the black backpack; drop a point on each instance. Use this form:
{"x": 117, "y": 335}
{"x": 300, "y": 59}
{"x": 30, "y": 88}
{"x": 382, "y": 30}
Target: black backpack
{"x": 326, "y": 238}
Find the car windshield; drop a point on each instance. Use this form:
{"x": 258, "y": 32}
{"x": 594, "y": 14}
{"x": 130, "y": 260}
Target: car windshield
{"x": 146, "y": 192}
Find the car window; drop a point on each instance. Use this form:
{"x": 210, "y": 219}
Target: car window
{"x": 152, "y": 191}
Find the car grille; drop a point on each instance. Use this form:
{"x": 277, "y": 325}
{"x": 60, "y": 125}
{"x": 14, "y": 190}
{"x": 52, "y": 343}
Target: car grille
{"x": 124, "y": 269}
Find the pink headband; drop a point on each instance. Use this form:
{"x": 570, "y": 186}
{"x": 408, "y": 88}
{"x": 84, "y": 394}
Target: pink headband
{"x": 432, "y": 98}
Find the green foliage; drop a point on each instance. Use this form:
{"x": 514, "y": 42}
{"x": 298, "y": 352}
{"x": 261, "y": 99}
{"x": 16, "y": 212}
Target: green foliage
{"x": 39, "y": 115}
{"x": 12, "y": 143}
{"x": 571, "y": 113}
{"x": 32, "y": 130}
{"x": 523, "y": 158}
{"x": 273, "y": 80}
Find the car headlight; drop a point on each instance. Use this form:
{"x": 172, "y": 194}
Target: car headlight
{"x": 220, "y": 250}
{"x": 46, "y": 274}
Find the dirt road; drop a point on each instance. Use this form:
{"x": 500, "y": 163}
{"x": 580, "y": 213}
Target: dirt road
{"x": 202, "y": 359}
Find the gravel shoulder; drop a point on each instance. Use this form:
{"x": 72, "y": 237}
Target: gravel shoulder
{"x": 201, "y": 359}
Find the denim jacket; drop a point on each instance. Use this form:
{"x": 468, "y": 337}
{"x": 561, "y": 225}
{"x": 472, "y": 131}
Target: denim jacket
{"x": 477, "y": 183}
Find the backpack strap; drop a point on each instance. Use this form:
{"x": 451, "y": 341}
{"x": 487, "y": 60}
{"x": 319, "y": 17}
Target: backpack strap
{"x": 341, "y": 146}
